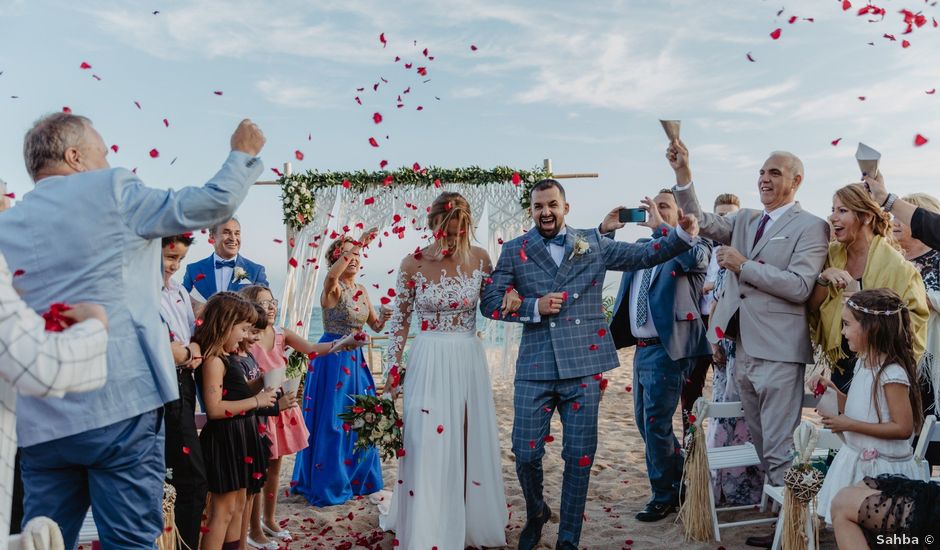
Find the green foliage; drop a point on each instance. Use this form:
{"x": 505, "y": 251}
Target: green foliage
{"x": 298, "y": 189}
{"x": 376, "y": 423}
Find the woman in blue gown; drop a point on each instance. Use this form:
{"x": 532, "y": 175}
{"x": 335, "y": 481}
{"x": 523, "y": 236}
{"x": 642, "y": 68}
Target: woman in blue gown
{"x": 328, "y": 472}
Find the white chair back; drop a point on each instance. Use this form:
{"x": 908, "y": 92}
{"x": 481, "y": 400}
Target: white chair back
{"x": 929, "y": 433}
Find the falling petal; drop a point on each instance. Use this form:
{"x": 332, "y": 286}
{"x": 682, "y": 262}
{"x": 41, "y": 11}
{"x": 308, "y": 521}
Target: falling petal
{"x": 776, "y": 34}
{"x": 919, "y": 140}
{"x": 836, "y": 141}
{"x": 298, "y": 154}
{"x": 85, "y": 65}
{"x": 154, "y": 153}
{"x": 377, "y": 118}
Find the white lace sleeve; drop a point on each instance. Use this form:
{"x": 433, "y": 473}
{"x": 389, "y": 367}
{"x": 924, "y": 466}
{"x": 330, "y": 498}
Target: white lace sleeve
{"x": 400, "y": 323}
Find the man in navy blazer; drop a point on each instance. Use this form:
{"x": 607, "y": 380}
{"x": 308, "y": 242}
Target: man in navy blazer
{"x": 657, "y": 310}
{"x": 225, "y": 269}
{"x": 91, "y": 233}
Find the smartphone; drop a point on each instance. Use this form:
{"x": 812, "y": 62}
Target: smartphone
{"x": 632, "y": 215}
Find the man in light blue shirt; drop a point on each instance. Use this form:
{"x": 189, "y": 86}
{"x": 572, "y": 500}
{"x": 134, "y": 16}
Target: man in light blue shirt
{"x": 91, "y": 233}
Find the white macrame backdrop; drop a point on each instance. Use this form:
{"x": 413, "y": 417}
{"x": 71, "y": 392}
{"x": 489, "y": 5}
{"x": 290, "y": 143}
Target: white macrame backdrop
{"x": 505, "y": 221}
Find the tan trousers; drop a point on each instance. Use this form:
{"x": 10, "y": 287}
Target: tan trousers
{"x": 772, "y": 397}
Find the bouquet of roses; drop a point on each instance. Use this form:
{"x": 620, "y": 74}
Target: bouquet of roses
{"x": 377, "y": 424}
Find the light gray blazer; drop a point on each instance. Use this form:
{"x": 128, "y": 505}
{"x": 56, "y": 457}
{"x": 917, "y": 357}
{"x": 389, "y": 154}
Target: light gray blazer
{"x": 771, "y": 292}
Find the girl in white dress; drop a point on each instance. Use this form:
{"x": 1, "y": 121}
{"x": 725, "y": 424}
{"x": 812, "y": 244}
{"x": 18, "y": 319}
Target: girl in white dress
{"x": 448, "y": 493}
{"x": 879, "y": 416}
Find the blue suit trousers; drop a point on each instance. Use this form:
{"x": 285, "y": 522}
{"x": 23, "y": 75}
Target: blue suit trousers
{"x": 117, "y": 469}
{"x": 657, "y": 386}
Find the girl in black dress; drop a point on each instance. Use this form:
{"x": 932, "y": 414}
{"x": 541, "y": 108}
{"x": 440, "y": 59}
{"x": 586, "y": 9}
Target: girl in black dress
{"x": 232, "y": 447}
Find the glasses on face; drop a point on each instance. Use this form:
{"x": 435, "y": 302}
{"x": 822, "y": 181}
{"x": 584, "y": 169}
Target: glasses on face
{"x": 268, "y": 303}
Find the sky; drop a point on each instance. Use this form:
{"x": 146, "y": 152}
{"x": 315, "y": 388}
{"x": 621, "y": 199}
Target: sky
{"x": 581, "y": 83}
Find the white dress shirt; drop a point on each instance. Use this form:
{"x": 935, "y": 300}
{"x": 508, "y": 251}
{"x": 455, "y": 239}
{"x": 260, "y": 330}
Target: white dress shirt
{"x": 647, "y": 330}
{"x": 776, "y": 214}
{"x": 176, "y": 307}
{"x": 223, "y": 275}
{"x": 707, "y": 300}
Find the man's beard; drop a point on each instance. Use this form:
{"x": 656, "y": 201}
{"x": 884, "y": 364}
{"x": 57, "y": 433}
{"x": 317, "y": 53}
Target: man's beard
{"x": 548, "y": 234}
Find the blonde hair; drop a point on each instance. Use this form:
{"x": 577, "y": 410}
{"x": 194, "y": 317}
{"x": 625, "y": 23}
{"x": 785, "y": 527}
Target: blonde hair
{"x": 923, "y": 200}
{"x": 452, "y": 206}
{"x": 856, "y": 198}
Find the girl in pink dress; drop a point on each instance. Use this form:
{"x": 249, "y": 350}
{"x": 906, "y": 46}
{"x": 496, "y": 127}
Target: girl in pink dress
{"x": 287, "y": 431}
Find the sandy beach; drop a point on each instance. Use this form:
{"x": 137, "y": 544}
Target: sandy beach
{"x": 618, "y": 490}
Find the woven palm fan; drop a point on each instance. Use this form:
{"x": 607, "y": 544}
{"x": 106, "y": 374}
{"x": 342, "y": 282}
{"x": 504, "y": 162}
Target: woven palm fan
{"x": 695, "y": 511}
{"x": 801, "y": 484}
{"x": 170, "y": 537}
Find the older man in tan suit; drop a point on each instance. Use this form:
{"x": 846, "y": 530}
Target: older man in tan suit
{"x": 775, "y": 255}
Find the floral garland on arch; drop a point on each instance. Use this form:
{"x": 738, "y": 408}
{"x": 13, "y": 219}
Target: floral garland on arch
{"x": 299, "y": 190}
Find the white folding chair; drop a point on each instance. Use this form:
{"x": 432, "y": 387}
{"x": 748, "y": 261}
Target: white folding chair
{"x": 89, "y": 531}
{"x": 928, "y": 434}
{"x": 827, "y": 441}
{"x": 735, "y": 456}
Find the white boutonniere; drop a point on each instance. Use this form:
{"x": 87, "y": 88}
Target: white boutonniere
{"x": 581, "y": 246}
{"x": 239, "y": 274}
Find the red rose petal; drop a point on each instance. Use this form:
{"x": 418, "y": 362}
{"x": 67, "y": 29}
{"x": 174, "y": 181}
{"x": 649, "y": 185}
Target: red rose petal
{"x": 377, "y": 118}
{"x": 217, "y": 92}
{"x": 84, "y": 65}
{"x": 846, "y": 5}
{"x": 719, "y": 333}
{"x": 369, "y": 200}
{"x": 775, "y": 34}
{"x": 440, "y": 428}
{"x": 154, "y": 153}
{"x": 199, "y": 277}
{"x": 516, "y": 179}
{"x": 372, "y": 142}
{"x": 602, "y": 332}
{"x": 836, "y": 141}
{"x": 277, "y": 172}
{"x": 919, "y": 140}
{"x": 298, "y": 154}
{"x": 584, "y": 461}
{"x": 249, "y": 460}
{"x": 473, "y": 48}
{"x": 689, "y": 316}
{"x": 115, "y": 148}
{"x": 384, "y": 44}
{"x": 292, "y": 262}
{"x": 185, "y": 450}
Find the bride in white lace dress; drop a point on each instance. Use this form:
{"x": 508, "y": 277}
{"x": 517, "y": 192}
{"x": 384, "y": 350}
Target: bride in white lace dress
{"x": 449, "y": 490}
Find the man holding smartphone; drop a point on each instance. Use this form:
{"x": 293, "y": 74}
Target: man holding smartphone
{"x": 657, "y": 310}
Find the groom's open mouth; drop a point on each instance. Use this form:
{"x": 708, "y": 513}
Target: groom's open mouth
{"x": 547, "y": 223}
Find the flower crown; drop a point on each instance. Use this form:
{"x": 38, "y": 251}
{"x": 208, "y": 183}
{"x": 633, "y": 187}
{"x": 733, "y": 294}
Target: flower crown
{"x": 885, "y": 312}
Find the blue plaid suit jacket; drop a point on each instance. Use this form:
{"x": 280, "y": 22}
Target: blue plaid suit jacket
{"x": 572, "y": 343}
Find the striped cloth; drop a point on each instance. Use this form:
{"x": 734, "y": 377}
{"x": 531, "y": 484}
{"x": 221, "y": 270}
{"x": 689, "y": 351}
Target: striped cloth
{"x": 42, "y": 364}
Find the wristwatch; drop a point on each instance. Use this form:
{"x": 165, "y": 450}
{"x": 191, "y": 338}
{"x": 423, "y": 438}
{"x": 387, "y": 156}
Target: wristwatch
{"x": 889, "y": 202}
{"x": 821, "y": 281}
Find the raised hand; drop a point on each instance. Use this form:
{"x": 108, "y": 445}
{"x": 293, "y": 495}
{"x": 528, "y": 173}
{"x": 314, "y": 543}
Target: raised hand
{"x": 678, "y": 156}
{"x": 368, "y": 236}
{"x": 689, "y": 224}
{"x": 612, "y": 221}
{"x": 248, "y": 138}
{"x": 876, "y": 186}
{"x": 653, "y": 218}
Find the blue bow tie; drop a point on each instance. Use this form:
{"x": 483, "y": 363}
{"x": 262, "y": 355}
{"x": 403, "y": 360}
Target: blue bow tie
{"x": 556, "y": 240}
{"x": 224, "y": 263}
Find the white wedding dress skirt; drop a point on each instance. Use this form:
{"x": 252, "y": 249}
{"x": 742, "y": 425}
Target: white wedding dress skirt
{"x": 446, "y": 382}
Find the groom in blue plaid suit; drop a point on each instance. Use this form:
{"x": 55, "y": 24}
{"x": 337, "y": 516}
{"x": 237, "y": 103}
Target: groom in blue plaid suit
{"x": 559, "y": 273}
